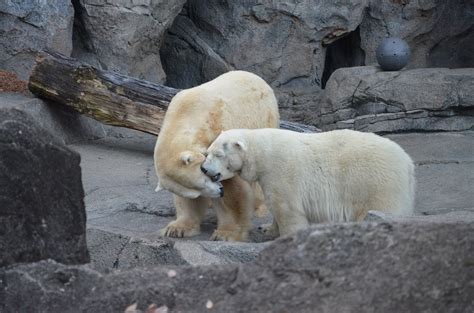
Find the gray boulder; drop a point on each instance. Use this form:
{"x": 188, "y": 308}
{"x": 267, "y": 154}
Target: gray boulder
{"x": 42, "y": 212}
{"x": 368, "y": 99}
{"x": 27, "y": 27}
{"x": 365, "y": 267}
{"x": 124, "y": 35}
{"x": 109, "y": 251}
{"x": 64, "y": 124}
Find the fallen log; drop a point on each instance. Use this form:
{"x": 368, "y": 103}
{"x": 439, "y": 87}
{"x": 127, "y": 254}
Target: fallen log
{"x": 108, "y": 97}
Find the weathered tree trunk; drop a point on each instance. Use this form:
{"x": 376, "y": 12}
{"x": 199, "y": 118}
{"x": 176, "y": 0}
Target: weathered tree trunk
{"x": 106, "y": 96}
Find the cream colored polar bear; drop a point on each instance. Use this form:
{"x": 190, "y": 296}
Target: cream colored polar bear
{"x": 335, "y": 176}
{"x": 194, "y": 118}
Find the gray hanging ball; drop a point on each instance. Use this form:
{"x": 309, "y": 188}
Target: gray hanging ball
{"x": 393, "y": 54}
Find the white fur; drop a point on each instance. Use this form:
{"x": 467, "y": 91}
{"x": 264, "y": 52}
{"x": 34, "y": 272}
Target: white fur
{"x": 335, "y": 176}
{"x": 194, "y": 118}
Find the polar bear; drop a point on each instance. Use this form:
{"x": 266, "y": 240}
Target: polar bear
{"x": 194, "y": 118}
{"x": 335, "y": 176}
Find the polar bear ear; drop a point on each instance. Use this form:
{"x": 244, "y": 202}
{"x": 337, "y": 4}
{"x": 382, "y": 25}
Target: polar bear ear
{"x": 186, "y": 157}
{"x": 240, "y": 145}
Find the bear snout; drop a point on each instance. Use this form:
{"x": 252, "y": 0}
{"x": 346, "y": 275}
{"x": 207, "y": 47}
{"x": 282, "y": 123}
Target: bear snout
{"x": 211, "y": 173}
{"x": 216, "y": 177}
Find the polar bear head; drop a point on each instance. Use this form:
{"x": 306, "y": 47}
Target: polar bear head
{"x": 226, "y": 155}
{"x": 183, "y": 176}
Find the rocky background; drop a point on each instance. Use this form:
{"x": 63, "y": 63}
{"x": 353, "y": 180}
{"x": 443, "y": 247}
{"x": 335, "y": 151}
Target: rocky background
{"x": 85, "y": 236}
{"x": 293, "y": 45}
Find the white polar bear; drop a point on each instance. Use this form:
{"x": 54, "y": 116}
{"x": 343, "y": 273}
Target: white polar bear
{"x": 335, "y": 176}
{"x": 195, "y": 117}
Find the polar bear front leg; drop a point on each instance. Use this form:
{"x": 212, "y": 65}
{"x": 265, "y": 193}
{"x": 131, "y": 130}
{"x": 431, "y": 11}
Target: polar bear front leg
{"x": 234, "y": 211}
{"x": 227, "y": 227}
{"x": 289, "y": 219}
{"x": 189, "y": 214}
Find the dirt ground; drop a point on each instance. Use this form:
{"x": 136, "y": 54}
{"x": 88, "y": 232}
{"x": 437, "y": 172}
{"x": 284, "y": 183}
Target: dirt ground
{"x": 9, "y": 82}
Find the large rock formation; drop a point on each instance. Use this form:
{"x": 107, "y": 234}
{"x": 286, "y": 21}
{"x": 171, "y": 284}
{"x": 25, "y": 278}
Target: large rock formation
{"x": 340, "y": 268}
{"x": 282, "y": 42}
{"x": 368, "y": 99}
{"x": 293, "y": 45}
{"x": 296, "y": 45}
{"x": 42, "y": 212}
{"x": 124, "y": 35}
{"x": 27, "y": 27}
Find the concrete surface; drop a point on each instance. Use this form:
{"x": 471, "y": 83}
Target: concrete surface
{"x": 125, "y": 213}
{"x": 444, "y": 169}
{"x": 119, "y": 183}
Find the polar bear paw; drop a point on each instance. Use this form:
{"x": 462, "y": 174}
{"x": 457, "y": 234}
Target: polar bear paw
{"x": 270, "y": 229}
{"x": 228, "y": 235}
{"x": 177, "y": 229}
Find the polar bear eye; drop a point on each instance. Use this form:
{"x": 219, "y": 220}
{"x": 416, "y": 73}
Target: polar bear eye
{"x": 219, "y": 154}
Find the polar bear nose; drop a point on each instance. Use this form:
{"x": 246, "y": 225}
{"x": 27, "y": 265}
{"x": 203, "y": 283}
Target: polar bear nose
{"x": 216, "y": 177}
{"x": 221, "y": 191}
{"x": 203, "y": 169}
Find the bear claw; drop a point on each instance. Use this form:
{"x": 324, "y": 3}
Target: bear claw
{"x": 177, "y": 231}
{"x": 223, "y": 235}
{"x": 269, "y": 229}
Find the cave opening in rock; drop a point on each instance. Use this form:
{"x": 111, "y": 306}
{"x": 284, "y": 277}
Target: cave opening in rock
{"x": 344, "y": 52}
{"x": 81, "y": 42}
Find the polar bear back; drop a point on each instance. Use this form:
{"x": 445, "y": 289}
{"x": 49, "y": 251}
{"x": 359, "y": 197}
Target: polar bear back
{"x": 196, "y": 116}
{"x": 334, "y": 176}
{"x": 232, "y": 100}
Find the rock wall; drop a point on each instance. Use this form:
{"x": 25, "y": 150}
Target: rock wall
{"x": 426, "y": 99}
{"x": 281, "y": 41}
{"x": 124, "y": 35}
{"x": 27, "y": 27}
{"x": 296, "y": 45}
{"x": 293, "y": 45}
